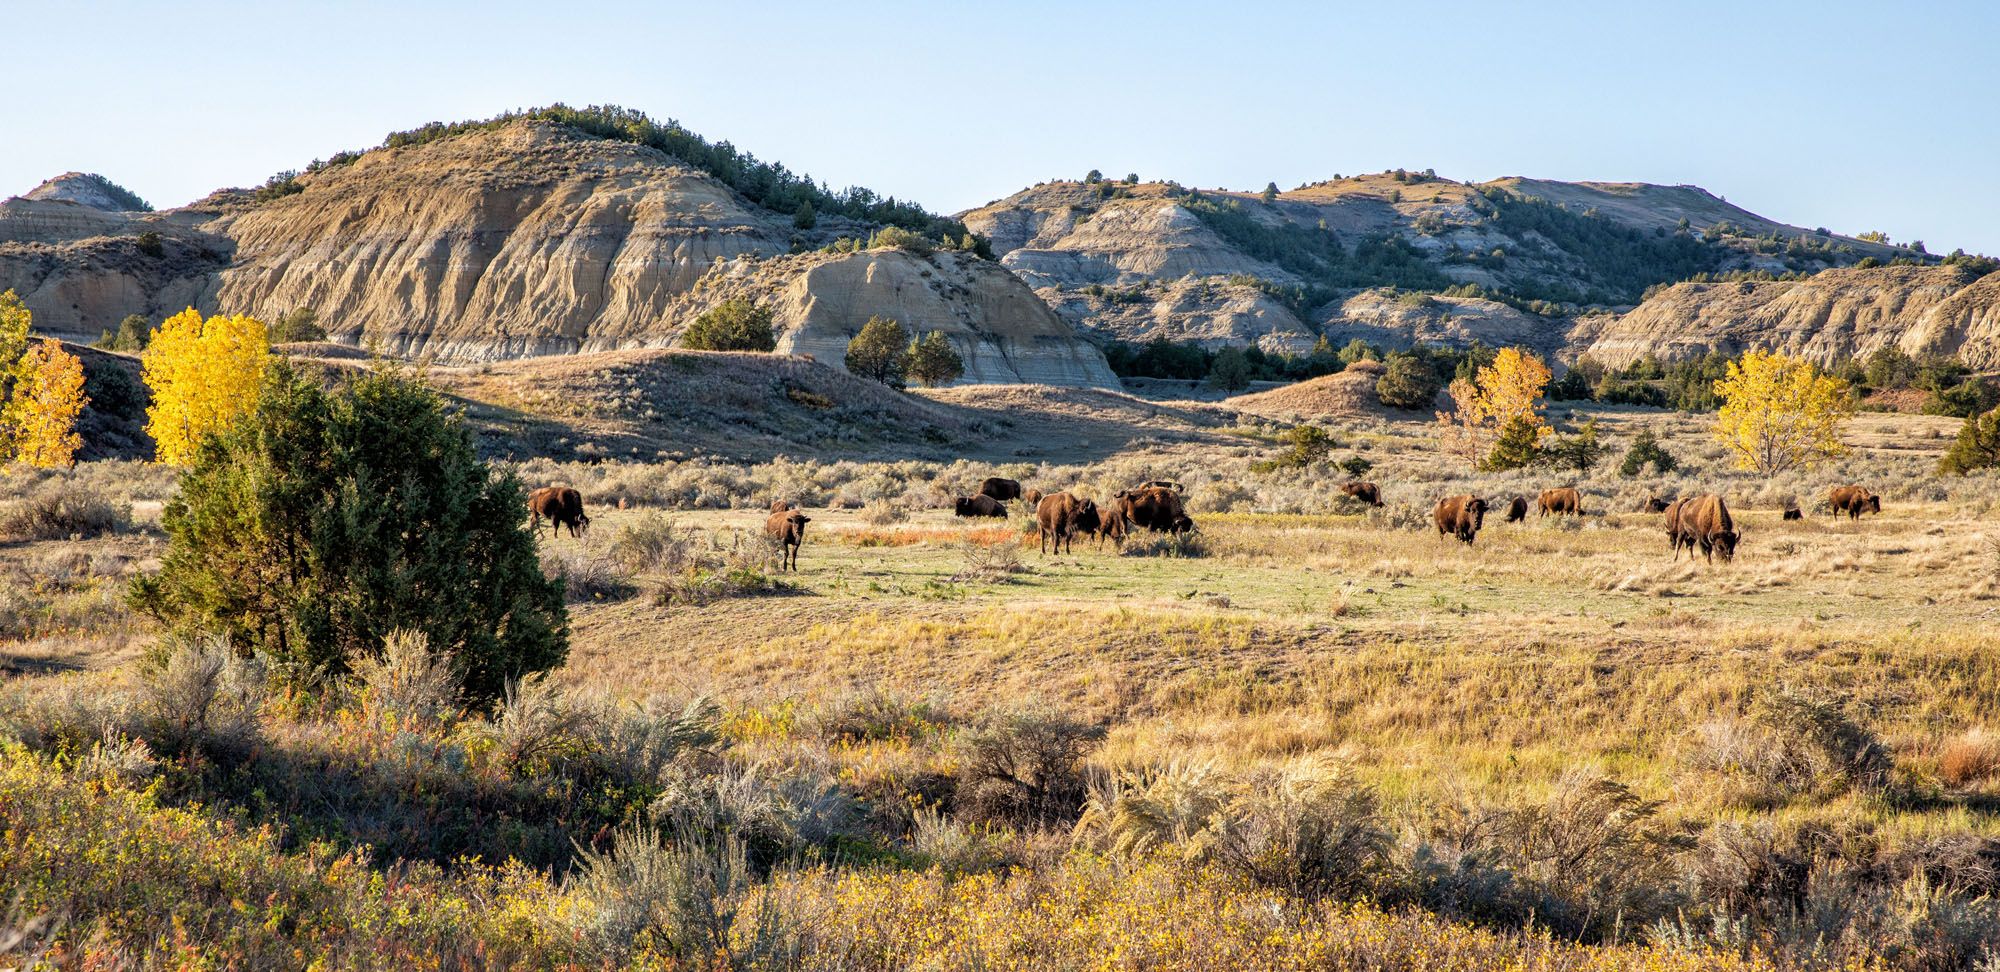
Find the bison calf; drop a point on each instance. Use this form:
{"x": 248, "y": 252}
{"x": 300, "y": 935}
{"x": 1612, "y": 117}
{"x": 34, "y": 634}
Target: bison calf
{"x": 1517, "y": 510}
{"x": 788, "y": 527}
{"x": 1460, "y": 516}
{"x": 1794, "y": 513}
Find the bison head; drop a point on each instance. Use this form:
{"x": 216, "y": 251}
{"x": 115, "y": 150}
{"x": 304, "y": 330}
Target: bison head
{"x": 1725, "y": 544}
{"x": 1874, "y": 503}
{"x": 1478, "y": 510}
{"x": 961, "y": 504}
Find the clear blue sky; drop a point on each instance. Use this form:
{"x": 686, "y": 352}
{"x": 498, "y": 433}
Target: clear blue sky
{"x": 1853, "y": 116}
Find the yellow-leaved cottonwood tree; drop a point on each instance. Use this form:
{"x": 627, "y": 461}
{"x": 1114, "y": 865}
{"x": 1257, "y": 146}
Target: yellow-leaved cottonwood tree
{"x": 204, "y": 373}
{"x": 39, "y": 420}
{"x": 1780, "y": 413}
{"x": 1507, "y": 391}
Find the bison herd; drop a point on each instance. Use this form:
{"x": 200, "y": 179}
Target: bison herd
{"x": 1692, "y": 522}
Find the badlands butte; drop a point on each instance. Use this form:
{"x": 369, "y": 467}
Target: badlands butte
{"x": 528, "y": 236}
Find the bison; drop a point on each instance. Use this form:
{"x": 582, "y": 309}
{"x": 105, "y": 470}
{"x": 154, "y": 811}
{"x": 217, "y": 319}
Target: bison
{"x": 1559, "y": 502}
{"x": 562, "y": 506}
{"x": 1155, "y": 508}
{"x": 788, "y": 528}
{"x": 1368, "y": 493}
{"x": 1001, "y": 489}
{"x": 1654, "y": 504}
{"x": 1032, "y": 497}
{"x": 1111, "y": 526}
{"x": 1853, "y": 501}
{"x": 1703, "y": 521}
{"x": 1460, "y": 516}
{"x": 1794, "y": 513}
{"x": 780, "y": 506}
{"x": 1060, "y": 517}
{"x": 1163, "y": 484}
{"x": 979, "y": 506}
{"x": 1517, "y": 510}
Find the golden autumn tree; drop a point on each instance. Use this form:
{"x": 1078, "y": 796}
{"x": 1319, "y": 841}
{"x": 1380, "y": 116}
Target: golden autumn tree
{"x": 1506, "y": 394}
{"x": 39, "y": 419}
{"x": 14, "y": 322}
{"x": 204, "y": 373}
{"x": 1780, "y": 413}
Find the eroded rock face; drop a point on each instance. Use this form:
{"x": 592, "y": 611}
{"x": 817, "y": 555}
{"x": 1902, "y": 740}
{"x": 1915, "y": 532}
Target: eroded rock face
{"x": 526, "y": 240}
{"x": 1827, "y": 317}
{"x": 496, "y": 245}
{"x": 820, "y": 301}
{"x": 1399, "y": 320}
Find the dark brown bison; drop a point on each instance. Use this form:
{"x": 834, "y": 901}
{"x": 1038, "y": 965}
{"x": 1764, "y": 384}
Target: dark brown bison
{"x": 1517, "y": 510}
{"x": 1704, "y": 521}
{"x": 1794, "y": 513}
{"x": 1654, "y": 504}
{"x": 1154, "y": 508}
{"x": 1163, "y": 484}
{"x": 562, "y": 506}
{"x": 1368, "y": 493}
{"x": 1000, "y": 489}
{"x": 1673, "y": 521}
{"x": 979, "y": 506}
{"x": 788, "y": 527}
{"x": 1460, "y": 516}
{"x": 1559, "y": 502}
{"x": 1853, "y": 501}
{"x": 1111, "y": 526}
{"x": 1060, "y": 517}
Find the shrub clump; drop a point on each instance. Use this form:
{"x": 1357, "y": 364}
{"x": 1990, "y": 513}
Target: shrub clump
{"x": 736, "y": 324}
{"x": 324, "y": 520}
{"x": 63, "y": 509}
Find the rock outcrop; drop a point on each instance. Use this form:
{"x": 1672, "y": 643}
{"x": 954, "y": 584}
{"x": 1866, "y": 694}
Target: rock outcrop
{"x": 820, "y": 300}
{"x": 1135, "y": 261}
{"x": 1829, "y": 316}
{"x": 526, "y": 239}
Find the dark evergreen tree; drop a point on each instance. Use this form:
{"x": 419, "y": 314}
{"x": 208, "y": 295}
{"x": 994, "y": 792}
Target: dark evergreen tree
{"x": 1645, "y": 449}
{"x": 1978, "y": 445}
{"x": 1519, "y": 445}
{"x": 1230, "y": 371}
{"x": 326, "y": 519}
{"x": 880, "y": 352}
{"x": 1409, "y": 383}
{"x": 933, "y": 361}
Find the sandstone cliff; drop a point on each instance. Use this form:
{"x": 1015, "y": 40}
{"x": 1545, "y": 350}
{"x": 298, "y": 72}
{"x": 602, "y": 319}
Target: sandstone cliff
{"x": 526, "y": 239}
{"x": 820, "y": 300}
{"x": 1831, "y": 315}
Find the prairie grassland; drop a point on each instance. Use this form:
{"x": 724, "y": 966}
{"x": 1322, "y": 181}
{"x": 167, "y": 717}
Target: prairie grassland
{"x": 1318, "y": 736}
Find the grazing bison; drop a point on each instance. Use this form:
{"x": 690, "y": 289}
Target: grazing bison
{"x": 1794, "y": 513}
{"x": 1368, "y": 493}
{"x": 1675, "y": 540}
{"x": 1111, "y": 526}
{"x": 1001, "y": 489}
{"x": 1163, "y": 484}
{"x": 788, "y": 527}
{"x": 1460, "y": 516}
{"x": 1560, "y": 502}
{"x": 1060, "y": 517}
{"x": 1853, "y": 501}
{"x": 1155, "y": 508}
{"x": 1654, "y": 504}
{"x": 979, "y": 506}
{"x": 780, "y": 506}
{"x": 562, "y": 506}
{"x": 1517, "y": 510}
{"x": 1032, "y": 497}
{"x": 1704, "y": 521}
